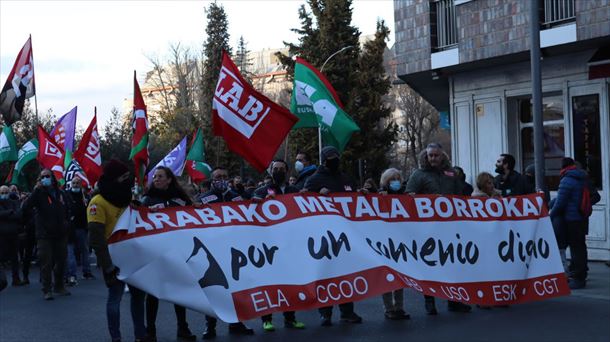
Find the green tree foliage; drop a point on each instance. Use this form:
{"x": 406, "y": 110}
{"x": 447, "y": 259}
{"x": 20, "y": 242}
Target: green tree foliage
{"x": 243, "y": 62}
{"x": 217, "y": 40}
{"x": 370, "y": 109}
{"x": 358, "y": 78}
{"x": 116, "y": 140}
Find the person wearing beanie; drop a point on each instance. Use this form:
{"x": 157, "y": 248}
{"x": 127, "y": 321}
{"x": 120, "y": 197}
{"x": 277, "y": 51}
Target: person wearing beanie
{"x": 327, "y": 179}
{"x": 103, "y": 212}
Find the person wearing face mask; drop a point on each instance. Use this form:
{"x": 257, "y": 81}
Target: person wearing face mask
{"x": 436, "y": 176}
{"x": 391, "y": 184}
{"x": 327, "y": 179}
{"x": 278, "y": 170}
{"x": 51, "y": 217}
{"x": 78, "y": 228}
{"x": 220, "y": 192}
{"x": 304, "y": 168}
{"x": 10, "y": 228}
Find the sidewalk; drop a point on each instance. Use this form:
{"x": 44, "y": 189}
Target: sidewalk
{"x": 598, "y": 282}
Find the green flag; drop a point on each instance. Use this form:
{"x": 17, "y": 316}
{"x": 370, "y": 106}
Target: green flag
{"x": 197, "y": 152}
{"x": 8, "y": 146}
{"x": 27, "y": 153}
{"x": 315, "y": 102}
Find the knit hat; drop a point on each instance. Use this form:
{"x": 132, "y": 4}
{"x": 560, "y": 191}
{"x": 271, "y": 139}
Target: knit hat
{"x": 328, "y": 152}
{"x": 565, "y": 162}
{"x": 530, "y": 169}
{"x": 114, "y": 168}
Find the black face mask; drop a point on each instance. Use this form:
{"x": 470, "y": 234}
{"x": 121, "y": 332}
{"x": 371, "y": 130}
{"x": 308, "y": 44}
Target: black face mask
{"x": 333, "y": 164}
{"x": 13, "y": 196}
{"x": 116, "y": 193}
{"x": 279, "y": 177}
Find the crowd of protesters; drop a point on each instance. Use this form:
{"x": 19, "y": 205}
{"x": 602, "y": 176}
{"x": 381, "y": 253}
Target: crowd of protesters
{"x": 59, "y": 227}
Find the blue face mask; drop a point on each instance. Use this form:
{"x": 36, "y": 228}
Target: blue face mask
{"x": 46, "y": 182}
{"x": 75, "y": 189}
{"x": 4, "y": 197}
{"x": 395, "y": 185}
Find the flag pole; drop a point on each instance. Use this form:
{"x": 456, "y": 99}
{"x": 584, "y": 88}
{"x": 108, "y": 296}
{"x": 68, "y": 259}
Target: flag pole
{"x": 36, "y": 106}
{"x": 35, "y": 95}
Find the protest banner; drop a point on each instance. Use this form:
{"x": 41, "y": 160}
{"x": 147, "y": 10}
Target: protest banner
{"x": 241, "y": 260}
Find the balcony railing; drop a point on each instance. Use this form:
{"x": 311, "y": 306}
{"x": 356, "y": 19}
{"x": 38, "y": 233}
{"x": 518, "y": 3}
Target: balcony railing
{"x": 444, "y": 24}
{"x": 557, "y": 12}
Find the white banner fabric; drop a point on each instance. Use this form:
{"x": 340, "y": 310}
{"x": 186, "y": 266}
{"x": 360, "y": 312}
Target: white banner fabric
{"x": 237, "y": 261}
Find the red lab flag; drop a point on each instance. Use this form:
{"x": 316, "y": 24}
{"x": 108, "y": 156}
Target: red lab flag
{"x": 50, "y": 155}
{"x": 19, "y": 85}
{"x": 88, "y": 153}
{"x": 139, "y": 139}
{"x": 252, "y": 125}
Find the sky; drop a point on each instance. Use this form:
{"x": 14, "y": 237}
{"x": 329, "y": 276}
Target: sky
{"x": 85, "y": 52}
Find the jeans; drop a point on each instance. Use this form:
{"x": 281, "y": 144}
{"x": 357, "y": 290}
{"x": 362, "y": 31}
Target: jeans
{"x": 113, "y": 310}
{"x": 52, "y": 254}
{"x": 289, "y": 316}
{"x": 576, "y": 234}
{"x": 71, "y": 261}
{"x": 82, "y": 245}
{"x": 152, "y": 307}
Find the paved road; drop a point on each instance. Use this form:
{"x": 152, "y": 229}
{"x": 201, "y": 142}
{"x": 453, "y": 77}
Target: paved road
{"x": 583, "y": 316}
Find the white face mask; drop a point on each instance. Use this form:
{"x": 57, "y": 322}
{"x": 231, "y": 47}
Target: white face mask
{"x": 298, "y": 166}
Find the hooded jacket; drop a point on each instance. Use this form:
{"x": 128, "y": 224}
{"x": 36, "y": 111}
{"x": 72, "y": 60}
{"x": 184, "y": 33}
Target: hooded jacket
{"x": 430, "y": 180}
{"x": 569, "y": 196}
{"x": 51, "y": 214}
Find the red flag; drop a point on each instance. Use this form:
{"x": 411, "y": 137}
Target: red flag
{"x": 139, "y": 139}
{"x": 50, "y": 155}
{"x": 19, "y": 85}
{"x": 88, "y": 153}
{"x": 252, "y": 125}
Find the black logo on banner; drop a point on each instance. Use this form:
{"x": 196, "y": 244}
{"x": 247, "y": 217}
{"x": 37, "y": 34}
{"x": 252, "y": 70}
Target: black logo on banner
{"x": 214, "y": 274}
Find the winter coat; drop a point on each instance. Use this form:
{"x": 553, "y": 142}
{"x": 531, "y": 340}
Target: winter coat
{"x": 323, "y": 178}
{"x": 214, "y": 196}
{"x": 265, "y": 190}
{"x": 161, "y": 197}
{"x": 569, "y": 196}
{"x": 304, "y": 175}
{"x": 430, "y": 180}
{"x": 10, "y": 217}
{"x": 514, "y": 185}
{"x": 51, "y": 213}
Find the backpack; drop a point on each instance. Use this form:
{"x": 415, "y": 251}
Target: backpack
{"x": 586, "y": 207}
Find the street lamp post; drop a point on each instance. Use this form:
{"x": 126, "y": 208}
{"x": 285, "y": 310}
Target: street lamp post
{"x": 321, "y": 71}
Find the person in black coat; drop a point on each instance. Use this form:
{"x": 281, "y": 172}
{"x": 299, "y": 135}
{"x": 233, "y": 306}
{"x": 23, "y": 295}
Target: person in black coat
{"x": 79, "y": 235}
{"x": 165, "y": 192}
{"x": 278, "y": 171}
{"x": 51, "y": 217}
{"x": 509, "y": 181}
{"x": 10, "y": 227}
{"x": 304, "y": 167}
{"x": 328, "y": 178}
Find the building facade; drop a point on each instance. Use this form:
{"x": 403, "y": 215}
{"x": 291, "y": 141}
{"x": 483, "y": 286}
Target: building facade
{"x": 470, "y": 58}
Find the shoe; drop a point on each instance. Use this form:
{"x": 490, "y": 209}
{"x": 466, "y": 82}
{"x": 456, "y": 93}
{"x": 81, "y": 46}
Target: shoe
{"x": 430, "y": 306}
{"x": 72, "y": 281}
{"x": 401, "y": 314}
{"x": 62, "y": 292}
{"x": 48, "y": 296}
{"x": 484, "y": 307}
{"x": 325, "y": 321}
{"x": 391, "y": 315}
{"x": 88, "y": 275}
{"x": 458, "y": 307}
{"x": 576, "y": 284}
{"x": 268, "y": 326}
{"x": 294, "y": 324}
{"x": 351, "y": 318}
{"x": 209, "y": 334}
{"x": 185, "y": 334}
{"x": 240, "y": 329}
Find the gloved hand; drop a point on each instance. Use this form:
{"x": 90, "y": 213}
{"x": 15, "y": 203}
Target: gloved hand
{"x": 111, "y": 277}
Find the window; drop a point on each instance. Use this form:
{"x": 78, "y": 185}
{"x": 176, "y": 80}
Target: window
{"x": 554, "y": 141}
{"x": 443, "y": 25}
{"x": 557, "y": 12}
{"x": 586, "y": 135}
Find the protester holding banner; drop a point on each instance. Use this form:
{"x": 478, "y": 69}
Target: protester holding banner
{"x": 304, "y": 167}
{"x": 165, "y": 191}
{"x": 328, "y": 178}
{"x": 51, "y": 212}
{"x": 10, "y": 227}
{"x": 103, "y": 211}
{"x": 391, "y": 183}
{"x": 485, "y": 186}
{"x": 435, "y": 176}
{"x": 78, "y": 227}
{"x": 509, "y": 181}
{"x": 278, "y": 171}
{"x": 219, "y": 193}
